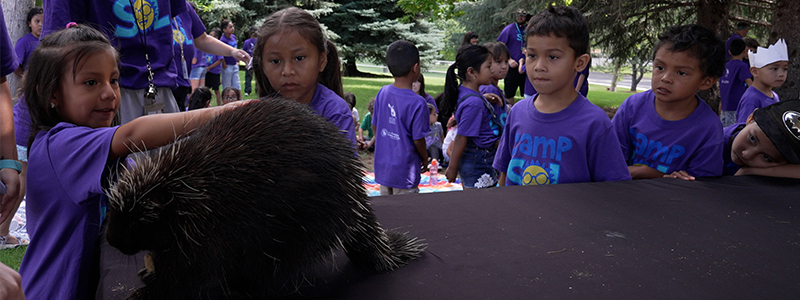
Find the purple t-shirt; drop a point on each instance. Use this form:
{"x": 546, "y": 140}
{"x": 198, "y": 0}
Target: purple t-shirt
{"x": 231, "y": 41}
{"x": 752, "y": 99}
{"x": 474, "y": 120}
{"x": 731, "y": 85}
{"x": 210, "y": 60}
{"x": 692, "y": 144}
{"x": 400, "y": 117}
{"x": 22, "y": 122}
{"x": 185, "y": 27}
{"x": 430, "y": 100}
{"x": 332, "y": 107}
{"x": 249, "y": 45}
{"x": 202, "y": 60}
{"x": 499, "y": 109}
{"x": 513, "y": 36}
{"x": 67, "y": 168}
{"x": 729, "y": 133}
{"x": 577, "y": 144}
{"x": 116, "y": 20}
{"x": 24, "y": 48}
{"x": 8, "y": 61}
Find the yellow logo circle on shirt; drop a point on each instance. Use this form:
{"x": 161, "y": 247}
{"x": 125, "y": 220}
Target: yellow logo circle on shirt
{"x": 144, "y": 14}
{"x": 535, "y": 175}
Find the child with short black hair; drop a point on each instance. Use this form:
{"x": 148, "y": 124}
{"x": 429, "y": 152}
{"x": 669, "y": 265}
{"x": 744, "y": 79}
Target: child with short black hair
{"x": 769, "y": 67}
{"x": 669, "y": 131}
{"x": 231, "y": 94}
{"x": 200, "y": 98}
{"x": 493, "y": 92}
{"x": 401, "y": 118}
{"x": 733, "y": 84}
{"x": 768, "y": 144}
{"x": 557, "y": 135}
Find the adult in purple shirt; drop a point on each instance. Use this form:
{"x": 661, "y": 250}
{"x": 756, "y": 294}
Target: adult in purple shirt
{"x": 185, "y": 27}
{"x": 138, "y": 47}
{"x": 513, "y": 36}
{"x": 230, "y": 75}
{"x": 576, "y": 144}
{"x": 751, "y": 100}
{"x": 692, "y": 144}
{"x": 26, "y": 44}
{"x": 332, "y": 107}
{"x": 741, "y": 31}
{"x": 249, "y": 45}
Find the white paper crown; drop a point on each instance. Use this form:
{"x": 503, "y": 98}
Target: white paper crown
{"x": 765, "y": 56}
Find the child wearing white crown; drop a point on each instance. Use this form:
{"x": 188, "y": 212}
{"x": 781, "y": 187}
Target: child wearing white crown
{"x": 769, "y": 67}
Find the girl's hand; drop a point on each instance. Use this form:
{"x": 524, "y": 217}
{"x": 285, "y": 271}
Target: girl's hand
{"x": 10, "y": 178}
{"x": 680, "y": 175}
{"x": 240, "y": 55}
{"x": 451, "y": 173}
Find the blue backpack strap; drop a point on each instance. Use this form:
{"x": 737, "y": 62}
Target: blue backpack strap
{"x": 492, "y": 113}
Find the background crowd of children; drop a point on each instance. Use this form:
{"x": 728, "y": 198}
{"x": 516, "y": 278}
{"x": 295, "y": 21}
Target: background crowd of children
{"x": 85, "y": 106}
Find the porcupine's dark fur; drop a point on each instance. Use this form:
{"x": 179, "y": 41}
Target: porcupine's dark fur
{"x": 247, "y": 205}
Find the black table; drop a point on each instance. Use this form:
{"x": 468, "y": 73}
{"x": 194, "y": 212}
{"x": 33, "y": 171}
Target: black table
{"x": 714, "y": 238}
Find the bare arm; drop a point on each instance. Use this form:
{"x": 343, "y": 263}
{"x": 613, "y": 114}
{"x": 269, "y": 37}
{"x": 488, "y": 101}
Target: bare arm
{"x": 458, "y": 144}
{"x": 153, "y": 131}
{"x": 502, "y": 180}
{"x": 10, "y": 284}
{"x": 644, "y": 172}
{"x": 214, "y": 46}
{"x": 786, "y": 171}
{"x": 749, "y": 81}
{"x": 216, "y": 63}
{"x": 8, "y": 150}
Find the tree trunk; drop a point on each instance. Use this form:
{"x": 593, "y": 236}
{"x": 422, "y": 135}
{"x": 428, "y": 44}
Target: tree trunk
{"x": 636, "y": 78}
{"x": 785, "y": 18}
{"x": 617, "y": 64}
{"x": 15, "y": 12}
{"x": 713, "y": 14}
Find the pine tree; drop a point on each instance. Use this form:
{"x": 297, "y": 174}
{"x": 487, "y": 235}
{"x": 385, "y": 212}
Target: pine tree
{"x": 785, "y": 20}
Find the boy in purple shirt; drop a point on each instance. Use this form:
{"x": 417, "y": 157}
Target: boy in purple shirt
{"x": 669, "y": 131}
{"x": 400, "y": 122}
{"x": 769, "y": 67}
{"x": 557, "y": 136}
{"x": 733, "y": 84}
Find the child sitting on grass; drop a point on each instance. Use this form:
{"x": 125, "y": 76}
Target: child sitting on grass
{"x": 768, "y": 144}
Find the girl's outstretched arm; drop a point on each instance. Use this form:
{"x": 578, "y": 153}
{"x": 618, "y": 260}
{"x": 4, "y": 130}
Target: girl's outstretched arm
{"x": 211, "y": 45}
{"x": 153, "y": 131}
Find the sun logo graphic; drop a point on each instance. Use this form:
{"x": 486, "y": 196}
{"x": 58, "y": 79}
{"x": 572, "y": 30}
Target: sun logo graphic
{"x": 535, "y": 175}
{"x": 144, "y": 13}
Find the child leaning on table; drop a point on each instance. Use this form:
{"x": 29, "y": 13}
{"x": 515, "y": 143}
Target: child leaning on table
{"x": 768, "y": 144}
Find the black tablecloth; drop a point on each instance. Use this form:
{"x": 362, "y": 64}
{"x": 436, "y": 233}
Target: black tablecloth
{"x": 728, "y": 237}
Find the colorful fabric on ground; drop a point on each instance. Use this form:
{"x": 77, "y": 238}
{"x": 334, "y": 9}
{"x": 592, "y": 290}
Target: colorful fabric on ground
{"x": 374, "y": 189}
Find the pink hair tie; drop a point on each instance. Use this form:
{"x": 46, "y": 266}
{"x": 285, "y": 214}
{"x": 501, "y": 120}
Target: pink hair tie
{"x": 71, "y": 24}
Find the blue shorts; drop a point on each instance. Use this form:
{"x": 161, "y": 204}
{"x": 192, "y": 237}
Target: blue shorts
{"x": 198, "y": 73}
{"x": 475, "y": 167}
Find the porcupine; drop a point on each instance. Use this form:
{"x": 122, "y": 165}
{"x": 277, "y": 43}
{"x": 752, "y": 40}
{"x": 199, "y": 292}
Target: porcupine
{"x": 248, "y": 205}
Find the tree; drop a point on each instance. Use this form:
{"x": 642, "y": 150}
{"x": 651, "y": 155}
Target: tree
{"x": 367, "y": 27}
{"x": 785, "y": 19}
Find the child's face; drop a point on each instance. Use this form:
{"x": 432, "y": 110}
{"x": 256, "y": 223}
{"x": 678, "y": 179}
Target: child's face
{"x": 500, "y": 67}
{"x": 230, "y": 96}
{"x": 752, "y": 148}
{"x": 484, "y": 75}
{"x": 90, "y": 98}
{"x": 415, "y": 87}
{"x": 292, "y": 65}
{"x": 228, "y": 30}
{"x": 433, "y": 117}
{"x": 36, "y": 25}
{"x": 772, "y": 75}
{"x": 551, "y": 64}
{"x": 677, "y": 76}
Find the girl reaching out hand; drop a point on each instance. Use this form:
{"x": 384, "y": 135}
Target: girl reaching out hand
{"x": 293, "y": 58}
{"x": 72, "y": 91}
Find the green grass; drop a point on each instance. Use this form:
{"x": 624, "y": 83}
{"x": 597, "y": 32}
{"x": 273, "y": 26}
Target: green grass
{"x": 13, "y": 257}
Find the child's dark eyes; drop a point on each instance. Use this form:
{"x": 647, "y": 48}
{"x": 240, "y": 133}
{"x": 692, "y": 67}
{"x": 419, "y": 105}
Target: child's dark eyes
{"x": 115, "y": 81}
{"x": 299, "y": 58}
{"x": 90, "y": 82}
{"x": 553, "y": 57}
{"x": 752, "y": 139}
{"x": 274, "y": 61}
{"x": 767, "y": 158}
{"x": 660, "y": 68}
{"x": 682, "y": 73}
{"x": 531, "y": 55}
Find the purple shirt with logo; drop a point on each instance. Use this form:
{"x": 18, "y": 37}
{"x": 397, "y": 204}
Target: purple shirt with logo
{"x": 400, "y": 117}
{"x": 210, "y": 60}
{"x": 67, "y": 168}
{"x": 752, "y": 99}
{"x": 576, "y": 144}
{"x": 731, "y": 85}
{"x": 116, "y": 20}
{"x": 185, "y": 27}
{"x": 474, "y": 120}
{"x": 692, "y": 144}
{"x": 513, "y": 36}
